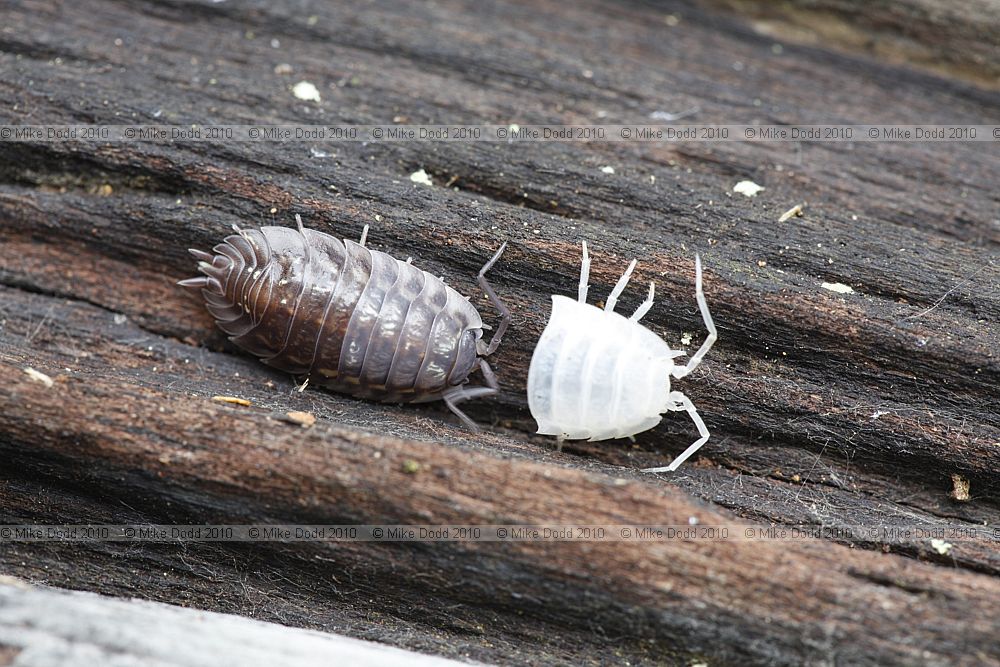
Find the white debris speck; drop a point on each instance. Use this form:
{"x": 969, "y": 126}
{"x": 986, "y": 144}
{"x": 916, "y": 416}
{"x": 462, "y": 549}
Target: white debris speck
{"x": 878, "y": 413}
{"x": 608, "y": 170}
{"x": 39, "y": 377}
{"x": 748, "y": 188}
{"x": 669, "y": 117}
{"x": 839, "y": 288}
{"x": 515, "y": 128}
{"x": 420, "y": 176}
{"x": 317, "y": 153}
{"x": 686, "y": 339}
{"x": 791, "y": 213}
{"x": 941, "y": 546}
{"x": 306, "y": 91}
{"x": 120, "y": 318}
{"x": 283, "y": 68}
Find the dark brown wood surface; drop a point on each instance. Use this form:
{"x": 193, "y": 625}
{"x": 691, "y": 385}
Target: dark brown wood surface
{"x": 953, "y": 39}
{"x": 826, "y": 409}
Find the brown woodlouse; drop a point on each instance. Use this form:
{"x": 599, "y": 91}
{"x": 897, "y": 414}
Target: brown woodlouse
{"x": 348, "y": 318}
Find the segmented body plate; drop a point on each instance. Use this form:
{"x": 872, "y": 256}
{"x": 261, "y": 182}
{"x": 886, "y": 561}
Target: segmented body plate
{"x": 352, "y": 319}
{"x": 597, "y": 375}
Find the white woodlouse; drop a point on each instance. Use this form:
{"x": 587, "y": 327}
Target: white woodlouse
{"x": 598, "y": 375}
{"x": 349, "y": 318}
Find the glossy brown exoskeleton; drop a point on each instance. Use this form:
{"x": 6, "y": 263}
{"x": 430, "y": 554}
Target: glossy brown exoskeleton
{"x": 346, "y": 317}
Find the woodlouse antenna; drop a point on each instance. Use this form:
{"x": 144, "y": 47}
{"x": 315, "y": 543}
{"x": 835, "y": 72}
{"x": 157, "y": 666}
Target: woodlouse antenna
{"x": 699, "y": 295}
{"x": 495, "y": 300}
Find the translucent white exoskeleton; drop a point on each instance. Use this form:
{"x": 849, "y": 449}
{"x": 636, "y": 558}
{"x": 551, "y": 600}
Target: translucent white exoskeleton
{"x": 597, "y": 375}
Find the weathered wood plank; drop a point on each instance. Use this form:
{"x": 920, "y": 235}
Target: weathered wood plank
{"x": 955, "y": 40}
{"x": 44, "y": 627}
{"x": 151, "y": 444}
{"x": 825, "y": 409}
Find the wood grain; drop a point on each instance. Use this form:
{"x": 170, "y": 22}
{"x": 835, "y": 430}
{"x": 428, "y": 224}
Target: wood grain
{"x": 825, "y": 409}
{"x": 45, "y": 626}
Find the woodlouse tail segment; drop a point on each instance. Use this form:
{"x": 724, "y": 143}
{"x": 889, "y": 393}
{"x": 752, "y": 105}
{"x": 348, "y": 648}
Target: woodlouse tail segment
{"x": 212, "y": 278}
{"x": 497, "y": 303}
{"x": 201, "y": 255}
{"x": 198, "y": 283}
{"x": 217, "y": 271}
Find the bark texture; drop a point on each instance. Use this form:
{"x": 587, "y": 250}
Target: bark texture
{"x": 825, "y": 408}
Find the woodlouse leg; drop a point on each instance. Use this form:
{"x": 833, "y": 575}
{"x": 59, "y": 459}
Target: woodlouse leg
{"x": 497, "y": 303}
{"x": 457, "y": 395}
{"x": 682, "y": 402}
{"x": 709, "y": 324}
{"x": 619, "y": 287}
{"x": 461, "y": 415}
{"x": 645, "y": 305}
{"x": 584, "y": 275}
{"x": 452, "y": 397}
{"x": 489, "y": 377}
